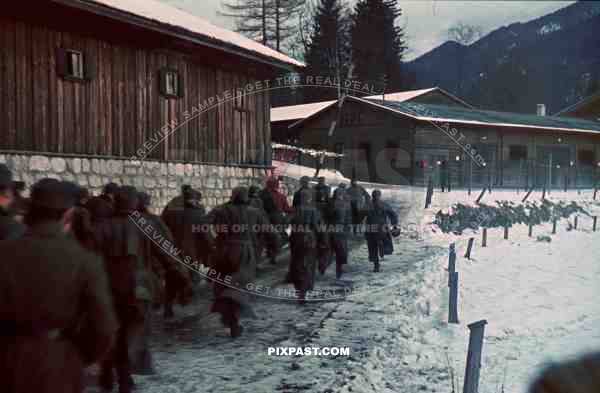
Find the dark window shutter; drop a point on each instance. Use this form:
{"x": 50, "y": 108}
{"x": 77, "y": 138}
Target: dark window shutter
{"x": 61, "y": 62}
{"x": 89, "y": 67}
{"x": 162, "y": 80}
{"x": 180, "y": 85}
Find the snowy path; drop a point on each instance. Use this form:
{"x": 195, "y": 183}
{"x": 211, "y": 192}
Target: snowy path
{"x": 539, "y": 300}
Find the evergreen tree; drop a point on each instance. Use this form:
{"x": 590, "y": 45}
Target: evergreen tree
{"x": 327, "y": 49}
{"x": 377, "y": 44}
{"x": 270, "y": 22}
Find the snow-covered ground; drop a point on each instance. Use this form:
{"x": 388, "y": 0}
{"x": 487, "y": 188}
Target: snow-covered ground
{"x": 539, "y": 299}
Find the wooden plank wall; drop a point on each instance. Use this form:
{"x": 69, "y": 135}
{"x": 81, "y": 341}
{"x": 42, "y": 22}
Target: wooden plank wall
{"x": 120, "y": 108}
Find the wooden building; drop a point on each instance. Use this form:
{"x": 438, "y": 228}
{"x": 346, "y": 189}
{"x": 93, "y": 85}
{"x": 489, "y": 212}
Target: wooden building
{"x": 411, "y": 141}
{"x": 107, "y": 78}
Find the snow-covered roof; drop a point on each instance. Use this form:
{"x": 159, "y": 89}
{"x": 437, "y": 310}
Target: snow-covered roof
{"x": 403, "y": 95}
{"x": 408, "y": 95}
{"x": 446, "y": 114}
{"x": 297, "y": 112}
{"x": 178, "y": 21}
{"x": 304, "y": 111}
{"x": 310, "y": 152}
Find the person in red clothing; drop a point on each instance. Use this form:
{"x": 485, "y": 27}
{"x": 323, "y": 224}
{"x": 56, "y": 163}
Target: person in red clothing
{"x": 277, "y": 207}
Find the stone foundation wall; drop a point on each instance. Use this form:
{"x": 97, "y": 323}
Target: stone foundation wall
{"x": 161, "y": 180}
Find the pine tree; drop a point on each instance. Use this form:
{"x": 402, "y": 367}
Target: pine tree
{"x": 270, "y": 22}
{"x": 377, "y": 44}
{"x": 328, "y": 48}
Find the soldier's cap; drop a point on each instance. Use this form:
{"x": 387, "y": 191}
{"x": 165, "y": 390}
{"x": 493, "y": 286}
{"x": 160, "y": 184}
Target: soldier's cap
{"x": 54, "y": 194}
{"x": 110, "y": 189}
{"x": 126, "y": 199}
{"x": 6, "y": 177}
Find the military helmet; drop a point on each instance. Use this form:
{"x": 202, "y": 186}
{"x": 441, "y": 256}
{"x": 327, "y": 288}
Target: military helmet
{"x": 54, "y": 194}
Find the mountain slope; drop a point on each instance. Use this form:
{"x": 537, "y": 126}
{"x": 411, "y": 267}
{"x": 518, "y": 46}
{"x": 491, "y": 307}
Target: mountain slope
{"x": 554, "y": 60}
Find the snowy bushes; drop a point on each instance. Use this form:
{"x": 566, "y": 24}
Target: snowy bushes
{"x": 504, "y": 214}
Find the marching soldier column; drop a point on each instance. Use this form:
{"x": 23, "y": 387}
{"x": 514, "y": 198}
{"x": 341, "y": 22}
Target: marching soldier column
{"x": 79, "y": 278}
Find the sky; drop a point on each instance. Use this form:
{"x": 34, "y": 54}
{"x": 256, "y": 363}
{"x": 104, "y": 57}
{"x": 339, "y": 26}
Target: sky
{"x": 425, "y": 21}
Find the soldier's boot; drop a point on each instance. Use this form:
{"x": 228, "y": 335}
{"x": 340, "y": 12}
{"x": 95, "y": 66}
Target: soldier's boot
{"x": 236, "y": 330}
{"x": 302, "y": 297}
{"x": 338, "y": 271}
{"x": 376, "y": 267}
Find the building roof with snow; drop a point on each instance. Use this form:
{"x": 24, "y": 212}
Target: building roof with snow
{"x": 158, "y": 16}
{"x": 457, "y": 115}
{"x": 304, "y": 111}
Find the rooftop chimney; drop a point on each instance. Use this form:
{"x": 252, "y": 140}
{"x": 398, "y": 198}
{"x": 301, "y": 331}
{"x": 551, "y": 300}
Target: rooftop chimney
{"x": 541, "y": 110}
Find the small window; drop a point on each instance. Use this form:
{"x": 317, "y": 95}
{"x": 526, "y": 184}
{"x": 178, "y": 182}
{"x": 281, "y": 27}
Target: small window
{"x": 518, "y": 152}
{"x": 171, "y": 83}
{"x": 74, "y": 64}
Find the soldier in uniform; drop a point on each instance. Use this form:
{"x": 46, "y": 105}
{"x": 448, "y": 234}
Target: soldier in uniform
{"x": 380, "y": 218}
{"x": 238, "y": 228}
{"x": 340, "y": 219}
{"x": 124, "y": 242}
{"x": 82, "y": 227}
{"x": 104, "y": 203}
{"x": 304, "y": 185}
{"x": 322, "y": 194}
{"x": 304, "y": 240}
{"x": 254, "y": 197}
{"x": 359, "y": 200}
{"x": 185, "y": 222}
{"x": 10, "y": 228}
{"x": 56, "y": 313}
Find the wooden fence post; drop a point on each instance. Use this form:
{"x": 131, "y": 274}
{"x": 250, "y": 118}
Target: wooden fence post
{"x": 595, "y": 192}
{"x": 554, "y": 226}
{"x": 469, "y": 248}
{"x": 595, "y": 222}
{"x": 530, "y": 229}
{"x": 429, "y": 193}
{"x": 506, "y": 232}
{"x": 471, "y": 382}
{"x": 576, "y": 221}
{"x": 527, "y": 195}
{"x": 480, "y": 195}
{"x": 544, "y": 194}
{"x": 484, "y": 238}
{"x": 453, "y": 298}
{"x": 451, "y": 261}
